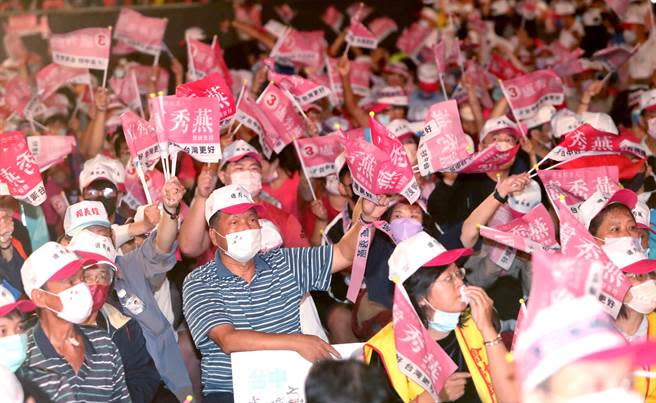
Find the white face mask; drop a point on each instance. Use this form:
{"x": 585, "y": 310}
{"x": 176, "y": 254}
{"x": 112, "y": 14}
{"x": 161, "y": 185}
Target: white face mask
{"x": 651, "y": 128}
{"x": 76, "y": 303}
{"x": 251, "y": 181}
{"x": 608, "y": 396}
{"x": 271, "y": 238}
{"x": 332, "y": 184}
{"x": 243, "y": 245}
{"x": 643, "y": 297}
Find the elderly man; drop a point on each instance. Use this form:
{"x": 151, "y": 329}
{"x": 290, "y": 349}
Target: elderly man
{"x": 245, "y": 300}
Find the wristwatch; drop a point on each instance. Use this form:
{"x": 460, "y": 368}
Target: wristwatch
{"x": 500, "y": 198}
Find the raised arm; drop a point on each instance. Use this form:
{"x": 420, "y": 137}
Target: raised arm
{"x": 193, "y": 237}
{"x": 263, "y": 37}
{"x": 93, "y": 138}
{"x": 358, "y": 114}
{"x": 167, "y": 230}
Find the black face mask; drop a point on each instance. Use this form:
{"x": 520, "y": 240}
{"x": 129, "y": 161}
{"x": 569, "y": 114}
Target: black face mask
{"x": 634, "y": 183}
{"x": 108, "y": 203}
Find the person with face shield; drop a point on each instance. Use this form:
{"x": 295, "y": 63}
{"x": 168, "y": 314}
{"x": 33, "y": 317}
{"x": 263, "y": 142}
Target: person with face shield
{"x": 65, "y": 358}
{"x": 457, "y": 316}
{"x": 223, "y": 320}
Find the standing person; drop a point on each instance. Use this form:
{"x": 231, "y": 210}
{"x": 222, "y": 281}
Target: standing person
{"x": 245, "y": 300}
{"x": 69, "y": 362}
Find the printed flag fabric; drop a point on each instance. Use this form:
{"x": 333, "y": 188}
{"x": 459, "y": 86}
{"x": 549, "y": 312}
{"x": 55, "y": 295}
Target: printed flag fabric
{"x": 19, "y": 173}
{"x": 612, "y": 58}
{"x": 127, "y": 89}
{"x": 212, "y": 86}
{"x": 359, "y": 36}
{"x": 382, "y": 27}
{"x": 304, "y": 91}
{"x": 577, "y": 185}
{"x": 280, "y": 121}
{"x": 319, "y": 154}
{"x": 414, "y": 38}
{"x": 84, "y": 48}
{"x": 17, "y": 94}
{"x": 502, "y": 68}
{"x": 588, "y": 141}
{"x": 445, "y": 52}
{"x": 305, "y": 48}
{"x": 493, "y": 158}
{"x": 134, "y": 191}
{"x": 140, "y": 32}
{"x": 444, "y": 143}
{"x": 141, "y": 139}
{"x": 206, "y": 59}
{"x": 248, "y": 114}
{"x": 49, "y": 151}
{"x": 50, "y": 78}
{"x": 333, "y": 18}
{"x": 530, "y": 92}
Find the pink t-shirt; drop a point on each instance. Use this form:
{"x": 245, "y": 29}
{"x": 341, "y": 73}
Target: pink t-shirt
{"x": 286, "y": 194}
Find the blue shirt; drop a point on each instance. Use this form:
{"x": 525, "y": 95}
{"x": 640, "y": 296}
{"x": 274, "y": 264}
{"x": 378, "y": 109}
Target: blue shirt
{"x": 419, "y": 104}
{"x": 213, "y": 296}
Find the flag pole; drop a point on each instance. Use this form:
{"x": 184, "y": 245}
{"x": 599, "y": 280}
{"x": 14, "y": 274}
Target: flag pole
{"x": 190, "y": 56}
{"x": 241, "y": 95}
{"x": 136, "y": 88}
{"x": 142, "y": 179}
{"x": 441, "y": 76}
{"x": 104, "y": 80}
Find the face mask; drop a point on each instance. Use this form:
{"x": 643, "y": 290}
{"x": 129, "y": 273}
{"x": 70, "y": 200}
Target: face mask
{"x": 643, "y": 297}
{"x": 651, "y": 128}
{"x": 332, "y": 185}
{"x": 98, "y": 295}
{"x": 444, "y": 322}
{"x": 13, "y": 350}
{"x": 243, "y": 245}
{"x": 404, "y": 228}
{"x": 608, "y": 396}
{"x": 271, "y": 238}
{"x": 109, "y": 204}
{"x": 629, "y": 37}
{"x": 76, "y": 303}
{"x": 252, "y": 181}
{"x": 383, "y": 119}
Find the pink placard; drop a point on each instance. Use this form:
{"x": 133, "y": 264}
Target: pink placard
{"x": 19, "y": 171}
{"x": 492, "y": 159}
{"x": 613, "y": 57}
{"x": 306, "y": 48}
{"x": 304, "y": 91}
{"x": 533, "y": 231}
{"x": 141, "y": 139}
{"x": 413, "y": 38}
{"x": 586, "y": 141}
{"x": 382, "y": 27}
{"x": 84, "y": 48}
{"x": 359, "y": 36}
{"x": 212, "y": 86}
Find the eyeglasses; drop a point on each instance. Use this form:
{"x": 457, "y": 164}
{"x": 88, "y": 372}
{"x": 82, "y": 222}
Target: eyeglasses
{"x": 106, "y": 193}
{"x": 93, "y": 275}
{"x": 451, "y": 278}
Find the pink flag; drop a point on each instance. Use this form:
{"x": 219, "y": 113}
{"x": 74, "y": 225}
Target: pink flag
{"x": 447, "y": 51}
{"x": 613, "y": 57}
{"x": 619, "y": 6}
{"x": 206, "y": 59}
{"x": 85, "y": 48}
{"x": 414, "y": 38}
{"x": 360, "y": 77}
{"x": 135, "y": 195}
{"x": 359, "y": 11}
{"x": 279, "y": 119}
{"x": 27, "y": 24}
{"x": 382, "y": 27}
{"x": 143, "y": 74}
{"x": 192, "y": 125}
{"x": 444, "y": 143}
{"x": 141, "y": 139}
{"x": 502, "y": 68}
{"x": 576, "y": 241}
{"x": 492, "y": 159}
{"x": 418, "y": 356}
{"x": 333, "y": 18}
{"x": 304, "y": 91}
{"x": 319, "y": 154}
{"x": 19, "y": 173}
{"x": 359, "y": 36}
{"x": 50, "y": 150}
{"x": 528, "y": 93}
{"x": 586, "y": 141}
{"x": 53, "y": 76}
{"x": 139, "y": 32}
{"x": 17, "y": 94}
{"x": 305, "y": 48}
{"x": 528, "y": 233}
{"x": 212, "y": 86}
{"x": 285, "y": 12}
{"x": 127, "y": 90}
{"x": 248, "y": 114}
{"x": 577, "y": 185}
{"x": 14, "y": 47}
{"x": 380, "y": 167}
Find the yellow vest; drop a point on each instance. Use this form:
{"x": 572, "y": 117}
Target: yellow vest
{"x": 471, "y": 345}
{"x": 646, "y": 387}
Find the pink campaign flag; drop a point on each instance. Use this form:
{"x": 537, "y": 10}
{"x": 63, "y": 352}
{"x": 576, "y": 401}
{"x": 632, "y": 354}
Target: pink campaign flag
{"x": 14, "y": 47}
{"x": 359, "y": 11}
{"x": 304, "y": 91}
{"x": 212, "y": 86}
{"x": 444, "y": 143}
{"x": 206, "y": 59}
{"x": 613, "y": 57}
{"x": 586, "y": 141}
{"x": 360, "y": 77}
{"x": 359, "y": 36}
{"x": 413, "y": 39}
{"x": 141, "y": 139}
{"x": 333, "y": 18}
{"x": 139, "y": 32}
{"x": 19, "y": 173}
{"x": 127, "y": 90}
{"x": 418, "y": 356}
{"x": 577, "y": 185}
{"x": 135, "y": 195}
{"x": 528, "y": 233}
{"x": 446, "y": 52}
{"x": 530, "y": 92}
{"x": 285, "y": 12}
{"x": 279, "y": 119}
{"x": 192, "y": 125}
{"x": 143, "y": 74}
{"x": 27, "y": 24}
{"x": 50, "y": 78}
{"x": 17, "y": 94}
{"x": 84, "y": 48}
{"x": 319, "y": 154}
{"x": 492, "y": 159}
{"x": 248, "y": 114}
{"x": 301, "y": 47}
{"x": 49, "y": 151}
{"x": 620, "y": 7}
{"x": 381, "y": 167}
{"x": 577, "y": 242}
{"x": 382, "y": 27}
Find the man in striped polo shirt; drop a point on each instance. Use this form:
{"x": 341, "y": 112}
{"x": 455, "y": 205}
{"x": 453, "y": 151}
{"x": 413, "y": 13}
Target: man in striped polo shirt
{"x": 69, "y": 363}
{"x": 245, "y": 300}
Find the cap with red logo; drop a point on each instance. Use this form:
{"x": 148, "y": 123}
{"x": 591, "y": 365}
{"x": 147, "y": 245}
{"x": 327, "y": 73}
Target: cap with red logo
{"x": 83, "y": 215}
{"x": 238, "y": 150}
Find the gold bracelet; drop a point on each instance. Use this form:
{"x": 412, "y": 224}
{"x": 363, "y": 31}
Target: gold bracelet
{"x": 493, "y": 342}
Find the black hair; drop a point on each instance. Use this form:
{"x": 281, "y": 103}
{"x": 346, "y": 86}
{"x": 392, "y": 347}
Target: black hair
{"x": 288, "y": 161}
{"x": 13, "y": 313}
{"x": 427, "y": 220}
{"x": 599, "y": 218}
{"x": 102, "y": 184}
{"x": 346, "y": 381}
{"x": 119, "y": 139}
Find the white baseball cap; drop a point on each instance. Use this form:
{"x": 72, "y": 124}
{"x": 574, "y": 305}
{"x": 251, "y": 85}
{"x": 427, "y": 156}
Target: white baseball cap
{"x": 563, "y": 122}
{"x": 543, "y": 116}
{"x": 648, "y": 100}
{"x": 83, "y": 215}
{"x": 8, "y": 303}
{"x": 600, "y": 121}
{"x": 521, "y": 203}
{"x": 642, "y": 214}
{"x": 400, "y": 128}
{"x": 564, "y": 8}
{"x": 51, "y": 261}
{"x": 93, "y": 246}
{"x": 428, "y": 77}
{"x": 627, "y": 254}
{"x": 498, "y": 124}
{"x": 499, "y": 7}
{"x": 237, "y": 150}
{"x": 590, "y": 208}
{"x": 101, "y": 167}
{"x": 231, "y": 199}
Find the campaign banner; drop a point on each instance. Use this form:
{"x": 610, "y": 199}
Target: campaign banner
{"x": 382, "y": 27}
{"x": 49, "y": 151}
{"x": 27, "y": 24}
{"x": 302, "y": 47}
{"x": 333, "y": 18}
{"x": 84, "y": 48}
{"x": 14, "y": 47}
{"x": 319, "y": 154}
{"x": 358, "y": 36}
{"x": 126, "y": 89}
{"x": 304, "y": 91}
{"x": 17, "y": 94}
{"x": 444, "y": 143}
{"x": 613, "y": 57}
{"x": 206, "y": 59}
{"x": 141, "y": 139}
{"x": 19, "y": 172}
{"x": 212, "y": 86}
{"x": 279, "y": 119}
{"x": 50, "y": 78}
{"x": 502, "y": 68}
{"x": 530, "y": 92}
{"x": 492, "y": 159}
{"x": 586, "y": 141}
{"x": 248, "y": 115}
{"x": 577, "y": 185}
{"x": 140, "y": 32}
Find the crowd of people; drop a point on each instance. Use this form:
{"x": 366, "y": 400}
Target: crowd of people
{"x": 531, "y": 278}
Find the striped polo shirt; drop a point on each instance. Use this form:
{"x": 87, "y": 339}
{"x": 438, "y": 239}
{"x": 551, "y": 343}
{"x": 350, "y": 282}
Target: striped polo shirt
{"x": 100, "y": 379}
{"x": 213, "y": 296}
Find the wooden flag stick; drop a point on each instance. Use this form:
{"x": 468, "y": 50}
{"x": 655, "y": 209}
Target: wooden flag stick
{"x": 104, "y": 80}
